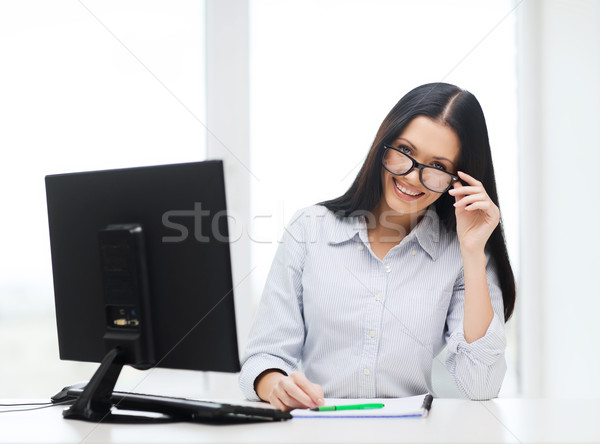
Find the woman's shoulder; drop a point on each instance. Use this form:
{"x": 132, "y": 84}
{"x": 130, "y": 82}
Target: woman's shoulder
{"x": 316, "y": 222}
{"x": 315, "y": 212}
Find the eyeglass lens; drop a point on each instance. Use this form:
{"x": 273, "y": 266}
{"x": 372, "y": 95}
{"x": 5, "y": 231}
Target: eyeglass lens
{"x": 432, "y": 178}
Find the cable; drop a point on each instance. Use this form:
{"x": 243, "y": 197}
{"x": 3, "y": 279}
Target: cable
{"x": 39, "y": 404}
{"x": 30, "y": 403}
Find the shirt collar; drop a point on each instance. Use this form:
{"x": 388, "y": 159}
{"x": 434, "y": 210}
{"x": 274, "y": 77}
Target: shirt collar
{"x": 346, "y": 228}
{"x": 427, "y": 231}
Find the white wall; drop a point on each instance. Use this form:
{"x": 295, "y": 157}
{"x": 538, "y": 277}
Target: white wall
{"x": 560, "y": 155}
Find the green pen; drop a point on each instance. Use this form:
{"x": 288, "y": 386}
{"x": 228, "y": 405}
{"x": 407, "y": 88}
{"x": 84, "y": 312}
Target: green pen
{"x": 331, "y": 408}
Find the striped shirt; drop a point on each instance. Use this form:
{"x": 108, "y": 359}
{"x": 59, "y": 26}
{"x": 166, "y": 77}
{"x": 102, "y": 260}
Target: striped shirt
{"x": 363, "y": 327}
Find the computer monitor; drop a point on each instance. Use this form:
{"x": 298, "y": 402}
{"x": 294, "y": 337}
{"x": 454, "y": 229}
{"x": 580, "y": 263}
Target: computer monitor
{"x": 142, "y": 273}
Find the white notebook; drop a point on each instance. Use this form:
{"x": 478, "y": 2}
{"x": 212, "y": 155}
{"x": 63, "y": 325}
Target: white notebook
{"x": 412, "y": 406}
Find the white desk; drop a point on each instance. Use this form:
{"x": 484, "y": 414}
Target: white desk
{"x": 450, "y": 420}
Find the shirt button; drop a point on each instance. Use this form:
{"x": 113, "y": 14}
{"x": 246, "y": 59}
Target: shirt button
{"x": 361, "y": 247}
{"x": 388, "y": 268}
{"x": 377, "y": 297}
{"x": 372, "y": 333}
{"x": 366, "y": 371}
{"x": 414, "y": 252}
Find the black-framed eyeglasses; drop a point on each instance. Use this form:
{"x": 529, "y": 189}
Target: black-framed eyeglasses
{"x": 400, "y": 164}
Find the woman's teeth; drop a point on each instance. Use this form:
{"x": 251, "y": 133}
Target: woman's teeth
{"x": 404, "y": 190}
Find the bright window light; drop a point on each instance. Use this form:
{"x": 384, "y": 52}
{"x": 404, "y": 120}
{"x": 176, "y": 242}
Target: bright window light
{"x": 85, "y": 86}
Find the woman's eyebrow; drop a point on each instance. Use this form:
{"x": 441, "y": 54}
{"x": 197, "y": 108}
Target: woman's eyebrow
{"x": 408, "y": 141}
{"x": 446, "y": 159}
{"x": 416, "y": 149}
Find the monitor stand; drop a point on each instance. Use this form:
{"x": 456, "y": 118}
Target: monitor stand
{"x": 95, "y": 404}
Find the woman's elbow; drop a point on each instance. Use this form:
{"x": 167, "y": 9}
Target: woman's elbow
{"x": 483, "y": 384}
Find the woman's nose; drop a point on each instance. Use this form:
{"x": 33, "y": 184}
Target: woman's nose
{"x": 413, "y": 177}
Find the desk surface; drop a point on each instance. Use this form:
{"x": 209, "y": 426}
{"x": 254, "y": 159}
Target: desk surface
{"x": 450, "y": 420}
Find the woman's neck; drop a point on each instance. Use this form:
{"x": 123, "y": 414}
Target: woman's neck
{"x": 386, "y": 228}
{"x": 391, "y": 223}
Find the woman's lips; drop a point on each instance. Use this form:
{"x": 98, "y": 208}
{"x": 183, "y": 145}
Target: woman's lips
{"x": 405, "y": 192}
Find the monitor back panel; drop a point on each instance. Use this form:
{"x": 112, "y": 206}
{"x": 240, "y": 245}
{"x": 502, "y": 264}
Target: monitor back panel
{"x": 182, "y": 211}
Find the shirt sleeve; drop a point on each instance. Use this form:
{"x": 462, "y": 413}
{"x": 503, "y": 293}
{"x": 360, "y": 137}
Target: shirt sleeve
{"x": 277, "y": 334}
{"x": 478, "y": 368}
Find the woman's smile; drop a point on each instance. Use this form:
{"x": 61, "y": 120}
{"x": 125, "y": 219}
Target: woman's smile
{"x": 405, "y": 191}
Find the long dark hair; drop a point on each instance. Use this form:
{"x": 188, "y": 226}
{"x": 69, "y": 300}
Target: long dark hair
{"x": 460, "y": 110}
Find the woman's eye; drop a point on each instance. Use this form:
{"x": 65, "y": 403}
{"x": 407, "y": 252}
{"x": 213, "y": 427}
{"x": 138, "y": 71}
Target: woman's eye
{"x": 439, "y": 166}
{"x": 404, "y": 149}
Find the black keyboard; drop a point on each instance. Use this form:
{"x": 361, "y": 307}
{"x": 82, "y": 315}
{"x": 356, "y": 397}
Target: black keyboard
{"x": 192, "y": 410}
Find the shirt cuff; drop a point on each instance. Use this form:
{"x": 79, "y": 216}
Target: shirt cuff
{"x": 485, "y": 350}
{"x": 254, "y": 366}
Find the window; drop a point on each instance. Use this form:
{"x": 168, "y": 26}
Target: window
{"x": 85, "y": 86}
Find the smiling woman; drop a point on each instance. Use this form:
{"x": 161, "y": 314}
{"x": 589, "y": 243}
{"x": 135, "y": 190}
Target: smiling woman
{"x": 323, "y": 76}
{"x": 366, "y": 289}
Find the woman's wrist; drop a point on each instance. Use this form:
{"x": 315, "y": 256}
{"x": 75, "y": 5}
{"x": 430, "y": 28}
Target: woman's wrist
{"x": 472, "y": 254}
{"x": 263, "y": 384}
{"x": 478, "y": 311}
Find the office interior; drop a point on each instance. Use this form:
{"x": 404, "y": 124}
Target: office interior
{"x": 290, "y": 94}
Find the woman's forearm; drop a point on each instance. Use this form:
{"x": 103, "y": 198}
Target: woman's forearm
{"x": 478, "y": 312}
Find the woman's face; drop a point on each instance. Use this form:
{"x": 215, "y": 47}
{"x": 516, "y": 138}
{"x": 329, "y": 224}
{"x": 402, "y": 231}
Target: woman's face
{"x": 429, "y": 143}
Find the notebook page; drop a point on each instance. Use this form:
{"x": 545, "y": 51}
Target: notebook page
{"x": 393, "y": 408}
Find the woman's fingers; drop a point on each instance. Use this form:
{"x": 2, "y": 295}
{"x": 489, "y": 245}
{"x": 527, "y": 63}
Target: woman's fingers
{"x": 314, "y": 391}
{"x": 294, "y": 396}
{"x": 275, "y": 402}
{"x": 296, "y": 391}
{"x": 476, "y": 213}
{"x": 481, "y": 205}
{"x": 285, "y": 398}
{"x": 470, "y": 199}
{"x": 459, "y": 190}
{"x": 480, "y": 201}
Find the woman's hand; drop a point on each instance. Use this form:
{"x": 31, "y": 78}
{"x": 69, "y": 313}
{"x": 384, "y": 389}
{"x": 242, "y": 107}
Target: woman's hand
{"x": 289, "y": 392}
{"x": 476, "y": 215}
